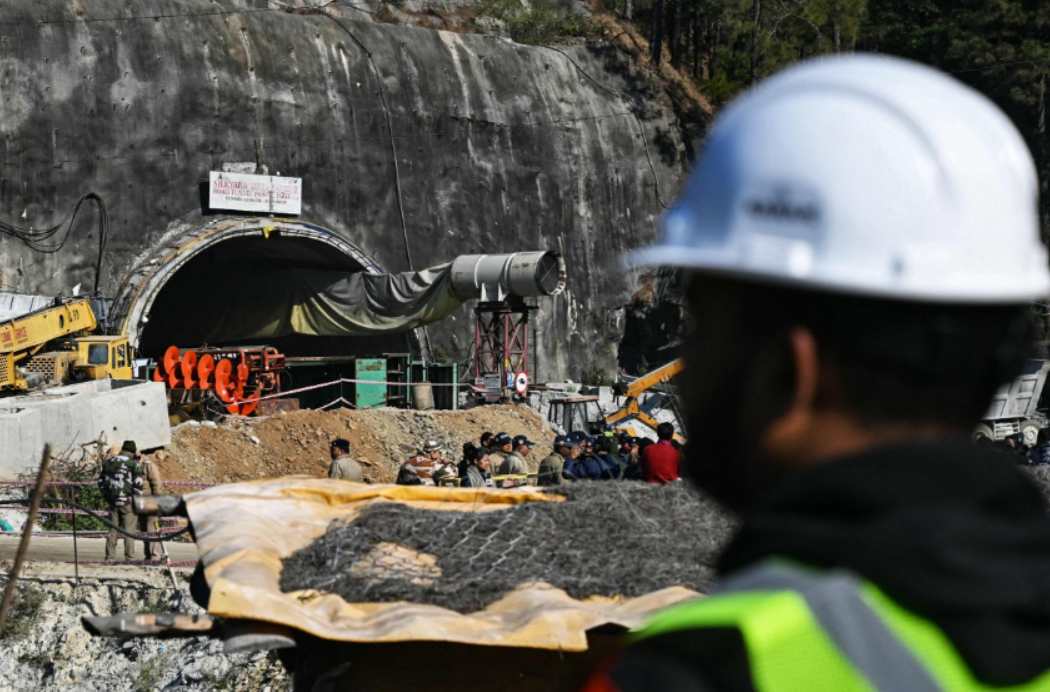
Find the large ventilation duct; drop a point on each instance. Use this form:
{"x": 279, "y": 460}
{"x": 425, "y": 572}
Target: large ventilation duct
{"x": 514, "y": 275}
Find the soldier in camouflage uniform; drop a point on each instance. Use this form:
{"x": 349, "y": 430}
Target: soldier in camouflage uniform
{"x": 119, "y": 482}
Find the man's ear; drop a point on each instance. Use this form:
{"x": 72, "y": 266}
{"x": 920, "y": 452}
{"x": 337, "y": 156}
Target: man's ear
{"x": 796, "y": 423}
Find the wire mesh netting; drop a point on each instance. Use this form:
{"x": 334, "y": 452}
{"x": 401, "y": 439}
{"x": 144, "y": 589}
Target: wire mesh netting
{"x": 609, "y": 539}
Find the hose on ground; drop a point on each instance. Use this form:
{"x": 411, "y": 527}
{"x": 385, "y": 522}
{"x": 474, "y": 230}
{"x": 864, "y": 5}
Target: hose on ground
{"x": 104, "y": 520}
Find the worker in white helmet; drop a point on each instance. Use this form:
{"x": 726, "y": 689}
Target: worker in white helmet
{"x": 860, "y": 241}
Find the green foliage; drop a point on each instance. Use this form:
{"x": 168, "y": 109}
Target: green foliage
{"x": 24, "y": 615}
{"x": 87, "y": 495}
{"x": 1000, "y": 47}
{"x": 596, "y": 376}
{"x": 37, "y": 659}
{"x": 151, "y": 671}
{"x": 156, "y": 602}
{"x": 440, "y": 355}
{"x": 539, "y": 23}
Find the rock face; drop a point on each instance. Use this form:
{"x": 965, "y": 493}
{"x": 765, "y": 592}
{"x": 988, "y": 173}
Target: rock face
{"x": 416, "y": 145}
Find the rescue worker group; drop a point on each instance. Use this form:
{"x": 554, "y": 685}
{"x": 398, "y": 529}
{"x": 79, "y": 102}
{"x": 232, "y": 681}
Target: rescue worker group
{"x": 861, "y": 249}
{"x": 499, "y": 460}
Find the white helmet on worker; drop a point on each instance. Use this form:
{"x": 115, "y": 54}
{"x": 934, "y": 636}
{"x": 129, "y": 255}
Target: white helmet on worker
{"x": 865, "y": 175}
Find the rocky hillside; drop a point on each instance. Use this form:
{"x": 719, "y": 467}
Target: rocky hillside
{"x": 415, "y": 144}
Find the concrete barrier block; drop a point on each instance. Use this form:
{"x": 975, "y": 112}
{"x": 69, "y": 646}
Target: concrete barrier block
{"x": 65, "y": 418}
{"x": 21, "y": 441}
{"x": 132, "y": 410}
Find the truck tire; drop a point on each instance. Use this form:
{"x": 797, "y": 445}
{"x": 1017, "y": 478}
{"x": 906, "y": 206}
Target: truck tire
{"x": 1030, "y": 429}
{"x": 983, "y": 430}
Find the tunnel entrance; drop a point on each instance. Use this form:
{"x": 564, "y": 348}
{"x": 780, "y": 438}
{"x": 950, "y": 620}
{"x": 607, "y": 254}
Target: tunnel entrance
{"x": 205, "y": 281}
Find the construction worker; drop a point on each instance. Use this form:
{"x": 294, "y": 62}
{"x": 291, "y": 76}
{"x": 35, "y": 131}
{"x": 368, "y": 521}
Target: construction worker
{"x": 588, "y": 466}
{"x": 552, "y": 466}
{"x": 861, "y": 242}
{"x": 152, "y": 485}
{"x": 477, "y": 474}
{"x": 428, "y": 467}
{"x": 661, "y": 461}
{"x": 502, "y": 446}
{"x": 119, "y": 481}
{"x": 514, "y": 464}
{"x": 343, "y": 465}
{"x": 604, "y": 450}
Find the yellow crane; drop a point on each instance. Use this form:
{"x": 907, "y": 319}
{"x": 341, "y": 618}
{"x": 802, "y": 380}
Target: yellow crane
{"x": 635, "y": 389}
{"x": 57, "y": 345}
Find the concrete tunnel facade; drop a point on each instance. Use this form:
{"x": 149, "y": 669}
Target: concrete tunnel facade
{"x": 170, "y": 296}
{"x": 463, "y": 144}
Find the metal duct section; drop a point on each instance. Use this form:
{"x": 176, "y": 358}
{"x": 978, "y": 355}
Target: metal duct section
{"x": 514, "y": 275}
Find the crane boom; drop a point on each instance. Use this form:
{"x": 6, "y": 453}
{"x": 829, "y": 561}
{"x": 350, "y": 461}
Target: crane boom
{"x": 23, "y": 336}
{"x": 635, "y": 389}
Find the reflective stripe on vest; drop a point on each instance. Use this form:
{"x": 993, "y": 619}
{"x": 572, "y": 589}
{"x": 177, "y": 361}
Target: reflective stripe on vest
{"x": 858, "y": 632}
{"x": 811, "y": 631}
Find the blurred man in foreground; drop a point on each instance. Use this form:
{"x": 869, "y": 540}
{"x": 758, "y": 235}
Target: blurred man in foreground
{"x": 862, "y": 242}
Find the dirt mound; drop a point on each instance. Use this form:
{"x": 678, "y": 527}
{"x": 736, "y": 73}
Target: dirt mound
{"x": 297, "y": 443}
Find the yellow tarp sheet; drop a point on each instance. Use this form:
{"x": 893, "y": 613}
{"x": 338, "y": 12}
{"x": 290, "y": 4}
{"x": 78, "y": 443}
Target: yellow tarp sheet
{"x": 244, "y": 530}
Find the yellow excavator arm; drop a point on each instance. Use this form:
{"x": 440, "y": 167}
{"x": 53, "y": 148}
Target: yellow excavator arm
{"x": 635, "y": 389}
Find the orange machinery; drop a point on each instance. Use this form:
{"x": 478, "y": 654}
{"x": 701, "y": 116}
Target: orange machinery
{"x": 238, "y": 375}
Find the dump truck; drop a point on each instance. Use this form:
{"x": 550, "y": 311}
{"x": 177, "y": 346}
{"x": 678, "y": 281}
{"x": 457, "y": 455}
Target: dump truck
{"x": 57, "y": 345}
{"x": 1015, "y": 407}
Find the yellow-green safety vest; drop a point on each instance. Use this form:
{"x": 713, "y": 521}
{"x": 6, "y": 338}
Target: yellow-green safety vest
{"x": 829, "y": 631}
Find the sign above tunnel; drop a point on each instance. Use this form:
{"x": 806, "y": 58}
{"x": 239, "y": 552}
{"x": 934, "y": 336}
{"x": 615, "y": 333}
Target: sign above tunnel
{"x": 266, "y": 193}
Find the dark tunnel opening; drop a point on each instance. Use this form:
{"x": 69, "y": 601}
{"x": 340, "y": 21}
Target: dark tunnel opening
{"x": 198, "y": 300}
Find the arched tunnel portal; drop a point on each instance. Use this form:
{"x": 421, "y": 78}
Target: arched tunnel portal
{"x": 186, "y": 290}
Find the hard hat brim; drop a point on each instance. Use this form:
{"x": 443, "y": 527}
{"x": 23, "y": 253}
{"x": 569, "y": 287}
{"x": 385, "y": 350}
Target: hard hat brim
{"x": 983, "y": 290}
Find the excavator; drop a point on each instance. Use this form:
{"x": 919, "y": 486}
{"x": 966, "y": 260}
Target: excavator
{"x": 633, "y": 391}
{"x": 56, "y": 345}
{"x": 574, "y": 413}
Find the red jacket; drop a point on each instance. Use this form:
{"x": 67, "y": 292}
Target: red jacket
{"x": 660, "y": 463}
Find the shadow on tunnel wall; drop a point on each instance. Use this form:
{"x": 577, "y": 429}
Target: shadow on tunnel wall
{"x": 653, "y": 322}
{"x": 220, "y": 287}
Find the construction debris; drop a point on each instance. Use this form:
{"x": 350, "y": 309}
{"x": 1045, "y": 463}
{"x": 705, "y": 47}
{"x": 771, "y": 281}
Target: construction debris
{"x": 622, "y": 539}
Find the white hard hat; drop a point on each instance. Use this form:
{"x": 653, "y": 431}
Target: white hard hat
{"x": 866, "y": 175}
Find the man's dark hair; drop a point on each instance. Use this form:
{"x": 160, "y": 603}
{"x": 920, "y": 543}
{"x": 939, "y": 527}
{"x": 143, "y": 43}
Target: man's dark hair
{"x": 341, "y": 444}
{"x": 665, "y": 431}
{"x": 485, "y": 437}
{"x": 893, "y": 361}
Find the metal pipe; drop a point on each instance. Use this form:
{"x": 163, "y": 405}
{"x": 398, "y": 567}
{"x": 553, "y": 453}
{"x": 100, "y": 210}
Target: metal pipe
{"x": 514, "y": 275}
{"x": 163, "y": 505}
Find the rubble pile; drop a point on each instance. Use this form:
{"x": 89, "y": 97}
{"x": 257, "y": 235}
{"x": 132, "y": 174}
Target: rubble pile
{"x": 297, "y": 443}
{"x": 609, "y": 539}
{"x": 44, "y": 646}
